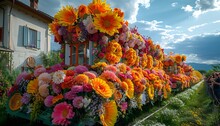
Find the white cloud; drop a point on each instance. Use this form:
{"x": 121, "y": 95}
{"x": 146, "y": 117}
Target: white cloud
{"x": 187, "y": 8}
{"x": 193, "y": 58}
{"x": 214, "y": 22}
{"x": 205, "y": 6}
{"x": 153, "y": 25}
{"x": 130, "y": 7}
{"x": 192, "y": 28}
{"x": 168, "y": 26}
{"x": 174, "y": 4}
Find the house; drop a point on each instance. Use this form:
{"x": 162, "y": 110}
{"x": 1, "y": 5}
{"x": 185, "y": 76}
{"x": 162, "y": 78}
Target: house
{"x": 24, "y": 32}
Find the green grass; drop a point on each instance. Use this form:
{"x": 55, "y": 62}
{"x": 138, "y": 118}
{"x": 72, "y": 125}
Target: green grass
{"x": 197, "y": 110}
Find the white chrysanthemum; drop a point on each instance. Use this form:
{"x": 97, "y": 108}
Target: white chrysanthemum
{"x": 44, "y": 78}
{"x": 58, "y": 77}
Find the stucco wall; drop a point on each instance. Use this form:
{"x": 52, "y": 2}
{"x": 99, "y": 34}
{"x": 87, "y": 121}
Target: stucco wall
{"x": 18, "y": 20}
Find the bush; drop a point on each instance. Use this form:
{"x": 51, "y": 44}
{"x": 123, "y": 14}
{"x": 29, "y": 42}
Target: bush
{"x": 51, "y": 58}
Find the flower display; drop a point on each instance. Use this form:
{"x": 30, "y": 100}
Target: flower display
{"x": 128, "y": 71}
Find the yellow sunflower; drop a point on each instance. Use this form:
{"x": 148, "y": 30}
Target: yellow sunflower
{"x": 113, "y": 52}
{"x": 110, "y": 113}
{"x": 144, "y": 60}
{"x": 66, "y": 16}
{"x": 101, "y": 87}
{"x": 15, "y": 102}
{"x": 108, "y": 22}
{"x": 32, "y": 86}
{"x": 98, "y": 6}
{"x": 149, "y": 61}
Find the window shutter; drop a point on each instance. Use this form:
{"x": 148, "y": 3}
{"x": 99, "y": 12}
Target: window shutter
{"x": 25, "y": 36}
{"x": 38, "y": 39}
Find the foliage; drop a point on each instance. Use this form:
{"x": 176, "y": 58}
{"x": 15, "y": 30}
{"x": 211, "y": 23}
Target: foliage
{"x": 51, "y": 58}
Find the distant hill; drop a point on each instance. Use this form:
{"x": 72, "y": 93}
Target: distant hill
{"x": 198, "y": 66}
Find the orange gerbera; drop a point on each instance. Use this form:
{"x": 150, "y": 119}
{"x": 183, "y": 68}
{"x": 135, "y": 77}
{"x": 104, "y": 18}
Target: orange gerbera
{"x": 131, "y": 57}
{"x": 108, "y": 22}
{"x": 130, "y": 92}
{"x": 98, "y": 6}
{"x": 66, "y": 16}
{"x": 144, "y": 60}
{"x": 82, "y": 10}
{"x": 57, "y": 98}
{"x": 150, "y": 61}
{"x": 15, "y": 102}
{"x": 110, "y": 113}
{"x": 139, "y": 87}
{"x": 101, "y": 87}
{"x": 136, "y": 75}
{"x": 32, "y": 86}
{"x": 113, "y": 52}
{"x": 81, "y": 79}
{"x": 124, "y": 86}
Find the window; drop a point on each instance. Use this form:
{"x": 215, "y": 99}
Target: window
{"x": 31, "y": 38}
{"x": 1, "y": 36}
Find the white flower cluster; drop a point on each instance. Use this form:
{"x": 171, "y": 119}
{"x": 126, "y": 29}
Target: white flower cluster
{"x": 58, "y": 77}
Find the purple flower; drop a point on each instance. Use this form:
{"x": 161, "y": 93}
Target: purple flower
{"x": 78, "y": 102}
{"x": 77, "y": 88}
{"x": 80, "y": 69}
{"x": 26, "y": 98}
{"x": 69, "y": 95}
{"x": 48, "y": 101}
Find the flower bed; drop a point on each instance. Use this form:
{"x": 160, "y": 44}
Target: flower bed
{"x": 129, "y": 71}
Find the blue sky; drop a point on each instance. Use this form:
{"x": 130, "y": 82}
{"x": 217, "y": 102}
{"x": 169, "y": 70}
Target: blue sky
{"x": 190, "y": 27}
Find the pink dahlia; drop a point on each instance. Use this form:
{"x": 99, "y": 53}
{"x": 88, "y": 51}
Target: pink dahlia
{"x": 91, "y": 74}
{"x": 111, "y": 68}
{"x": 77, "y": 89}
{"x": 39, "y": 71}
{"x": 61, "y": 113}
{"x": 80, "y": 69}
{"x": 109, "y": 75}
{"x": 69, "y": 95}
